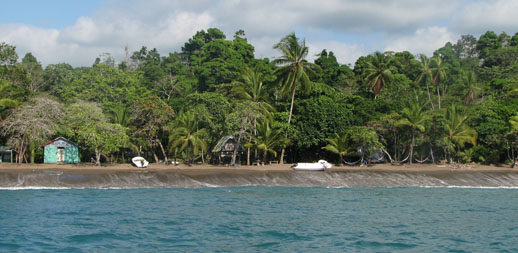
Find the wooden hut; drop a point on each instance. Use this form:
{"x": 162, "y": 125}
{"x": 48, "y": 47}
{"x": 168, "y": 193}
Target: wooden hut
{"x": 225, "y": 148}
{"x": 60, "y": 150}
{"x": 6, "y": 155}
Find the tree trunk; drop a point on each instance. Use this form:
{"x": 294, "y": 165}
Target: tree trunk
{"x": 265, "y": 153}
{"x": 412, "y": 149}
{"x": 97, "y": 157}
{"x": 439, "y": 95}
{"x": 387, "y": 153}
{"x": 175, "y": 151}
{"x": 33, "y": 154}
{"x": 281, "y": 159}
{"x": 234, "y": 154}
{"x": 429, "y": 96}
{"x": 162, "y": 149}
{"x": 431, "y": 153}
{"x": 155, "y": 156}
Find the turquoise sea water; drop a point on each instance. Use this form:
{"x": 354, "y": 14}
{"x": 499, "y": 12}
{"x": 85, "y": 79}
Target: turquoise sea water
{"x": 248, "y": 219}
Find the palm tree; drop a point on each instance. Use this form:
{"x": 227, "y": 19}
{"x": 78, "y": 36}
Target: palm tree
{"x": 457, "y": 130}
{"x": 414, "y": 117}
{"x": 426, "y": 75}
{"x": 294, "y": 70}
{"x": 268, "y": 139}
{"x": 514, "y": 123}
{"x": 378, "y": 73}
{"x": 471, "y": 86}
{"x": 185, "y": 134}
{"x": 439, "y": 74}
{"x": 120, "y": 114}
{"x": 252, "y": 90}
{"x": 339, "y": 144}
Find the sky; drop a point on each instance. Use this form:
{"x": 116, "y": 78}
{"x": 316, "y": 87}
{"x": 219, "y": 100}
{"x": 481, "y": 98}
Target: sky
{"x": 77, "y": 32}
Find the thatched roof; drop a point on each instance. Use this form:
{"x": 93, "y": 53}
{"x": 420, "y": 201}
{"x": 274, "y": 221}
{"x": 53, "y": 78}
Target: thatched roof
{"x": 221, "y": 145}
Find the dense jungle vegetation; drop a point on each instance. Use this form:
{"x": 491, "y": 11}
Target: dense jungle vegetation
{"x": 460, "y": 105}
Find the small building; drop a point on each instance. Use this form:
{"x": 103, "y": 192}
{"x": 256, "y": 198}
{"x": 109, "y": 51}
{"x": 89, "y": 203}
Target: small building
{"x": 225, "y": 148}
{"x": 60, "y": 150}
{"x": 6, "y": 155}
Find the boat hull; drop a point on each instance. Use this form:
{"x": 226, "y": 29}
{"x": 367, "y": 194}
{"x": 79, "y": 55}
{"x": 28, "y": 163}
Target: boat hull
{"x": 318, "y": 166}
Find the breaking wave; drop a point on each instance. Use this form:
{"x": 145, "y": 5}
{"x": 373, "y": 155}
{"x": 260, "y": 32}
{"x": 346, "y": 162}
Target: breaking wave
{"x": 343, "y": 179}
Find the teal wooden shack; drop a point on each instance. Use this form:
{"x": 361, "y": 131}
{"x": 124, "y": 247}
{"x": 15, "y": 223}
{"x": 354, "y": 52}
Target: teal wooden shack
{"x": 60, "y": 150}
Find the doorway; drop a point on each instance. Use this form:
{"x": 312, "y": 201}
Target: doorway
{"x": 61, "y": 155}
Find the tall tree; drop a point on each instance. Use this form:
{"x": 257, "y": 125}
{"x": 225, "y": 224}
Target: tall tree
{"x": 31, "y": 124}
{"x": 471, "y": 87}
{"x": 252, "y": 90}
{"x": 426, "y": 75}
{"x": 151, "y": 116}
{"x": 86, "y": 123}
{"x": 414, "y": 116}
{"x": 439, "y": 74}
{"x": 294, "y": 70}
{"x": 458, "y": 131}
{"x": 268, "y": 139}
{"x": 378, "y": 73}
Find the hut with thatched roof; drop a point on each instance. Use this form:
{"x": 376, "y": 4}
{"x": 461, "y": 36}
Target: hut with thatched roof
{"x": 225, "y": 147}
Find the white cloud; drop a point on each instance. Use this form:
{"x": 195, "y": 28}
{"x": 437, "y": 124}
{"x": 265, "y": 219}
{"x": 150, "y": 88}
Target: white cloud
{"x": 344, "y": 53}
{"x": 424, "y": 41}
{"x": 167, "y": 24}
{"x": 481, "y": 16}
{"x": 89, "y": 37}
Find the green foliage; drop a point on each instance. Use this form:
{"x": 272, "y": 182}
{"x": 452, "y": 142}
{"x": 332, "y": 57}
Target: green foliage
{"x": 268, "y": 139}
{"x": 186, "y": 136}
{"x": 351, "y": 140}
{"x": 378, "y": 73}
{"x": 225, "y": 90}
{"x": 88, "y": 126}
{"x": 8, "y": 54}
{"x": 487, "y": 42}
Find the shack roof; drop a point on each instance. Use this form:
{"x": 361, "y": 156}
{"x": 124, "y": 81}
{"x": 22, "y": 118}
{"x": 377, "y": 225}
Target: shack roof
{"x": 60, "y": 142}
{"x": 220, "y": 146}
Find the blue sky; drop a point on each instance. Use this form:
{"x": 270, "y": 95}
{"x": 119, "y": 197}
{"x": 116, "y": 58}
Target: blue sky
{"x": 77, "y": 32}
{"x": 47, "y": 13}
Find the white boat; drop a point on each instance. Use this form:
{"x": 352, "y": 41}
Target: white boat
{"x": 320, "y": 165}
{"x": 140, "y": 162}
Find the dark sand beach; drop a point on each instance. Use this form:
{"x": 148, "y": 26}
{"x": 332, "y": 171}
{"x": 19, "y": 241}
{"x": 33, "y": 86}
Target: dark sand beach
{"x": 212, "y": 169}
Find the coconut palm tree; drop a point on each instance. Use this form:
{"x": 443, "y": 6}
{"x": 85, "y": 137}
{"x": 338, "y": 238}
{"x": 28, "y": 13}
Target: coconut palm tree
{"x": 426, "y": 75}
{"x": 186, "y": 135}
{"x": 339, "y": 144}
{"x": 457, "y": 130}
{"x": 120, "y": 114}
{"x": 414, "y": 116}
{"x": 378, "y": 73}
{"x": 471, "y": 86}
{"x": 268, "y": 139}
{"x": 439, "y": 74}
{"x": 353, "y": 139}
{"x": 252, "y": 90}
{"x": 294, "y": 70}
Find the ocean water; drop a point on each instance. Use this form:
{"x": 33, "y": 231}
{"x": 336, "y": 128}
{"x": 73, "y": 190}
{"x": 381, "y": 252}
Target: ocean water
{"x": 260, "y": 219}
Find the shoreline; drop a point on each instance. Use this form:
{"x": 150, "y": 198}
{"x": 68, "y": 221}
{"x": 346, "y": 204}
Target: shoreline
{"x": 213, "y": 169}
